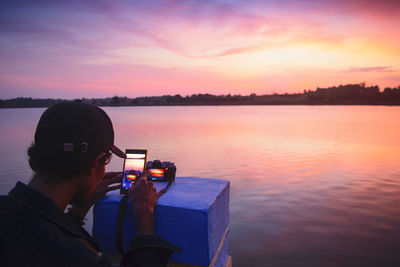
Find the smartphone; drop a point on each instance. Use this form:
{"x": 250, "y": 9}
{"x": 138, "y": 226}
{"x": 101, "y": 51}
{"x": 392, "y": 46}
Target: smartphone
{"x": 134, "y": 163}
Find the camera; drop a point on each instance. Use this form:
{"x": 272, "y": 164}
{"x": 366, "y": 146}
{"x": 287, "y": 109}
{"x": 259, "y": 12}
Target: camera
{"x": 160, "y": 171}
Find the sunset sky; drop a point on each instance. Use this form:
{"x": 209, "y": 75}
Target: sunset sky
{"x": 70, "y": 49}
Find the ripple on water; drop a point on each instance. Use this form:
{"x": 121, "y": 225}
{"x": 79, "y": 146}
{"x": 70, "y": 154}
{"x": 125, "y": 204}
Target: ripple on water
{"x": 310, "y": 186}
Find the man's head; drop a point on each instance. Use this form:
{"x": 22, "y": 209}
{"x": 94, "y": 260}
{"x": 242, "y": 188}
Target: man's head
{"x": 72, "y": 139}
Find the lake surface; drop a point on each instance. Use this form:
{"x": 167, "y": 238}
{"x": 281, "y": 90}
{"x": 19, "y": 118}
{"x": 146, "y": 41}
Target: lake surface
{"x": 310, "y": 185}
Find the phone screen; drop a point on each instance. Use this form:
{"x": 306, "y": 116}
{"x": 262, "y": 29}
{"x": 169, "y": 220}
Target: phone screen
{"x": 135, "y": 160}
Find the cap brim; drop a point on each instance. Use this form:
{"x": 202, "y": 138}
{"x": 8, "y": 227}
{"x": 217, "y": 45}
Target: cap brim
{"x": 118, "y": 152}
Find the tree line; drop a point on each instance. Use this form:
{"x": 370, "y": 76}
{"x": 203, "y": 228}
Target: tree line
{"x": 350, "y": 94}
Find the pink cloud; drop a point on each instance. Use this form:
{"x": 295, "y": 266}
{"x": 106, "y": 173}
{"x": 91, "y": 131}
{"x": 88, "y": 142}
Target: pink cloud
{"x": 70, "y": 48}
{"x": 371, "y": 69}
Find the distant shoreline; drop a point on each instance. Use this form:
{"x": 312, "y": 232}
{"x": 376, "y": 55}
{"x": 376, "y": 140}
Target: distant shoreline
{"x": 347, "y": 95}
{"x": 216, "y": 105}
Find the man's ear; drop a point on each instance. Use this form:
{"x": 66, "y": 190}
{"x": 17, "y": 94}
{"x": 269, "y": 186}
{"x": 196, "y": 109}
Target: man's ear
{"x": 99, "y": 160}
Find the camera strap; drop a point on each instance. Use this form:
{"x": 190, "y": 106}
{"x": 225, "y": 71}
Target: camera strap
{"x": 121, "y": 217}
{"x": 164, "y": 190}
{"x": 120, "y": 223}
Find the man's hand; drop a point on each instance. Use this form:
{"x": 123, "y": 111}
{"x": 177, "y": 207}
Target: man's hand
{"x": 104, "y": 186}
{"x": 143, "y": 197}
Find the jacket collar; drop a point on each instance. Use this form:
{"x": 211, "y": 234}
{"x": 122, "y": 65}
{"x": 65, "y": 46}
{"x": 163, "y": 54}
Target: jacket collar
{"x": 45, "y": 207}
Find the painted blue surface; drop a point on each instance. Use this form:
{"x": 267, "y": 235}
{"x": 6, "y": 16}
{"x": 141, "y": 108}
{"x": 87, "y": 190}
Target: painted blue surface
{"x": 193, "y": 214}
{"x": 223, "y": 254}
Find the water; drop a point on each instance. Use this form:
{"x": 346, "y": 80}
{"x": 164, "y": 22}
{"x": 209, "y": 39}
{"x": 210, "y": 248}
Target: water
{"x": 310, "y": 185}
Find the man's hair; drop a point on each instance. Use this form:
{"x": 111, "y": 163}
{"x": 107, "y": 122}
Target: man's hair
{"x": 60, "y": 166}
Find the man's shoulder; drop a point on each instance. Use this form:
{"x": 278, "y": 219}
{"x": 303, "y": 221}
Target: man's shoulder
{"x": 9, "y": 207}
{"x": 25, "y": 235}
{"x": 7, "y": 203}
{"x": 10, "y": 212}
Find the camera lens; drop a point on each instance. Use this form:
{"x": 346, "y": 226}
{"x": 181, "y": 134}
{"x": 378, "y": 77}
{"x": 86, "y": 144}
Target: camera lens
{"x": 156, "y": 164}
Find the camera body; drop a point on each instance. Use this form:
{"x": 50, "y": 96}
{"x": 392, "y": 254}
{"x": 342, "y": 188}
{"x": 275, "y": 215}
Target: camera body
{"x": 158, "y": 171}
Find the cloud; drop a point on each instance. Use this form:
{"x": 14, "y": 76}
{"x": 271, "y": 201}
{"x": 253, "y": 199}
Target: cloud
{"x": 29, "y": 30}
{"x": 393, "y": 78}
{"x": 355, "y": 7}
{"x": 221, "y": 33}
{"x": 190, "y": 29}
{"x": 68, "y": 40}
{"x": 371, "y": 69}
{"x": 373, "y": 6}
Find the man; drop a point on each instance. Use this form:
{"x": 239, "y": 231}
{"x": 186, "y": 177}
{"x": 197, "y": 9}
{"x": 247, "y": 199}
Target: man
{"x": 73, "y": 143}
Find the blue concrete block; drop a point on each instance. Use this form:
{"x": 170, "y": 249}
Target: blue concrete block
{"x": 223, "y": 253}
{"x": 193, "y": 214}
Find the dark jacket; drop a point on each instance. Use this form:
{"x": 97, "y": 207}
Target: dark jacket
{"x": 35, "y": 232}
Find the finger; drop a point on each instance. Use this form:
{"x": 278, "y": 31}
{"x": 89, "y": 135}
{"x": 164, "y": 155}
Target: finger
{"x": 114, "y": 187}
{"x": 110, "y": 175}
{"x": 138, "y": 183}
{"x": 150, "y": 187}
{"x": 142, "y": 181}
{"x": 144, "y": 177}
{"x": 131, "y": 187}
{"x": 135, "y": 183}
{"x": 113, "y": 184}
{"x": 113, "y": 180}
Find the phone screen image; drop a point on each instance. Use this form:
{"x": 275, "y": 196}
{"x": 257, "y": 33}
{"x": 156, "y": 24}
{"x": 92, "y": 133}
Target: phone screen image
{"x": 135, "y": 161}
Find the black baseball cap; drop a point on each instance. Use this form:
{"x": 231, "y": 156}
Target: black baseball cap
{"x": 74, "y": 127}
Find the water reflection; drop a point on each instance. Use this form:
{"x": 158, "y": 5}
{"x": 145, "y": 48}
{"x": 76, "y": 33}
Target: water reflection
{"x": 310, "y": 185}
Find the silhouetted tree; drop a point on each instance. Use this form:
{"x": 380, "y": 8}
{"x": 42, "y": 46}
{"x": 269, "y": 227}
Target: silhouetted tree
{"x": 115, "y": 100}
